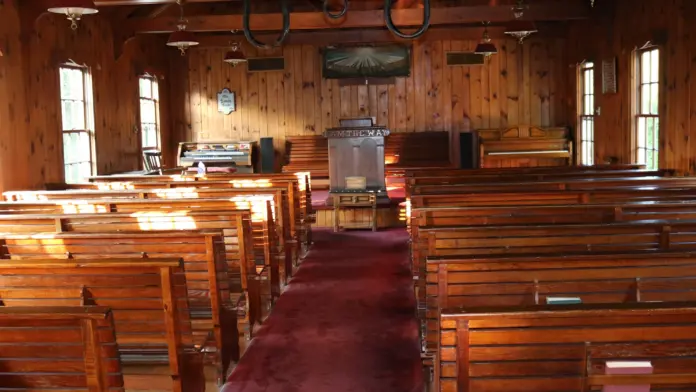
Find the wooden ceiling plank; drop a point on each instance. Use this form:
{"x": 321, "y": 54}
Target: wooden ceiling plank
{"x": 550, "y": 11}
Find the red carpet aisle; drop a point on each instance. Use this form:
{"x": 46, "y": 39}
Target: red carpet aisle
{"x": 346, "y": 323}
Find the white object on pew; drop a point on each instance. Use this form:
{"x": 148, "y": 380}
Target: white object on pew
{"x": 628, "y": 367}
{"x": 201, "y": 167}
{"x": 563, "y": 300}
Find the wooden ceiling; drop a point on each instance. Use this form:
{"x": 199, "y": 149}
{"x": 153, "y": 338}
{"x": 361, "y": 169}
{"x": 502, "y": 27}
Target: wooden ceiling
{"x": 217, "y": 17}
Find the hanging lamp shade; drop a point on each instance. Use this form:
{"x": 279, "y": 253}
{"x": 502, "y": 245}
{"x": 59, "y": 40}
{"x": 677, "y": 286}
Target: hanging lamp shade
{"x": 182, "y": 39}
{"x": 486, "y": 47}
{"x": 74, "y": 9}
{"x": 521, "y": 29}
{"x": 235, "y": 57}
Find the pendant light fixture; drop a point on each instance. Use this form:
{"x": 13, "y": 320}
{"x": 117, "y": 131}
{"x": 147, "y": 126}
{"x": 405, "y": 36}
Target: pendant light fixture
{"x": 235, "y": 56}
{"x": 181, "y": 38}
{"x": 74, "y": 9}
{"x": 520, "y": 29}
{"x": 486, "y": 47}
{"x": 518, "y": 9}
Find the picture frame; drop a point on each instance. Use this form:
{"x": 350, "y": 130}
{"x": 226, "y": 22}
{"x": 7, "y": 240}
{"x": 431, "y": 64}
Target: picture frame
{"x": 227, "y": 101}
{"x": 609, "y": 76}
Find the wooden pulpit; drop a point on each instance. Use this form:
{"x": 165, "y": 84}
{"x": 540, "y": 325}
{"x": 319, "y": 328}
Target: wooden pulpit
{"x": 356, "y": 149}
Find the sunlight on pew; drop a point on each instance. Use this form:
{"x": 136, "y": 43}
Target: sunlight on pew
{"x": 115, "y": 186}
{"x": 158, "y": 220}
{"x": 262, "y": 183}
{"x": 81, "y": 207}
{"x": 177, "y": 193}
{"x": 256, "y": 204}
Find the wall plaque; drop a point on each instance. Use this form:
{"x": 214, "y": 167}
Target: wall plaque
{"x": 226, "y": 101}
{"x": 609, "y": 76}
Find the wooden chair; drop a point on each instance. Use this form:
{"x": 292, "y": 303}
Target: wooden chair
{"x": 58, "y": 348}
{"x": 149, "y": 302}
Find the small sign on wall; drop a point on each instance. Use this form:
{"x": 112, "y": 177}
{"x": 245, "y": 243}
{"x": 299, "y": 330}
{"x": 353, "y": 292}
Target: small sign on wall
{"x": 609, "y": 76}
{"x": 226, "y": 101}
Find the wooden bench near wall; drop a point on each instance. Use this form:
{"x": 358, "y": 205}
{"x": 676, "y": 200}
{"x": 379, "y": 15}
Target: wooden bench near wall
{"x": 58, "y": 348}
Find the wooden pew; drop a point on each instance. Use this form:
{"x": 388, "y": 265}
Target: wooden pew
{"x": 463, "y": 178}
{"x": 428, "y": 219}
{"x": 501, "y": 280}
{"x": 407, "y": 149}
{"x": 565, "y": 348}
{"x": 551, "y": 185}
{"x": 265, "y": 242}
{"x": 288, "y": 246}
{"x": 309, "y": 154}
{"x": 558, "y": 197}
{"x": 426, "y": 172}
{"x": 297, "y": 184}
{"x": 298, "y": 222}
{"x": 58, "y": 348}
{"x": 150, "y": 307}
{"x": 429, "y": 172}
{"x": 213, "y": 317}
{"x": 235, "y": 228}
{"x": 538, "y": 239}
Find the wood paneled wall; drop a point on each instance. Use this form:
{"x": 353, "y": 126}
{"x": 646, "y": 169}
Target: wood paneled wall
{"x": 618, "y": 28}
{"x": 524, "y": 84}
{"x": 30, "y": 114}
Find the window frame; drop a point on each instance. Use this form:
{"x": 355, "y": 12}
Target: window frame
{"x": 88, "y": 112}
{"x": 586, "y": 152}
{"x": 638, "y": 99}
{"x": 155, "y": 99}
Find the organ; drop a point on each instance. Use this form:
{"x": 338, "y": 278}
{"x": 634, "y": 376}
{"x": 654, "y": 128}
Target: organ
{"x": 218, "y": 155}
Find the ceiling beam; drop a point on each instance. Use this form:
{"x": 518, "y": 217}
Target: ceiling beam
{"x": 337, "y": 37}
{"x": 109, "y": 3}
{"x": 549, "y": 11}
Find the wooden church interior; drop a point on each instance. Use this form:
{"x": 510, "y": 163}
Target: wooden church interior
{"x": 451, "y": 195}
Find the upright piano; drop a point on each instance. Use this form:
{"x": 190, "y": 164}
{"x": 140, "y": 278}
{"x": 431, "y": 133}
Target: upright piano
{"x": 218, "y": 156}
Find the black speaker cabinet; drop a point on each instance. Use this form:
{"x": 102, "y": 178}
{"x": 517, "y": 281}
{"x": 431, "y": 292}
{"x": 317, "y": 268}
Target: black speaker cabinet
{"x": 267, "y": 155}
{"x": 468, "y": 150}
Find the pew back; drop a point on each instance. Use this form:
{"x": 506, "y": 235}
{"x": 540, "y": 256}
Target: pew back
{"x": 59, "y": 348}
{"x": 565, "y": 348}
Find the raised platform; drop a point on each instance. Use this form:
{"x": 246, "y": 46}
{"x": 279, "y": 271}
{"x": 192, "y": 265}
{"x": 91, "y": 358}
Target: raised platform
{"x": 391, "y": 214}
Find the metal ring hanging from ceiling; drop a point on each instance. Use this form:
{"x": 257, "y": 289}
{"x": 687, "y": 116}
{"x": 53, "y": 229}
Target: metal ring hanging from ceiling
{"x": 396, "y": 31}
{"x": 283, "y": 34}
{"x": 339, "y": 15}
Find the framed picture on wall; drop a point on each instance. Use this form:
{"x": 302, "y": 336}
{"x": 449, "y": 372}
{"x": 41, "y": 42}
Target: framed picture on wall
{"x": 609, "y": 76}
{"x": 226, "y": 101}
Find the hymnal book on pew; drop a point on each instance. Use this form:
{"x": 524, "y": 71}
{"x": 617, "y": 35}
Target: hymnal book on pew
{"x": 628, "y": 367}
{"x": 563, "y": 300}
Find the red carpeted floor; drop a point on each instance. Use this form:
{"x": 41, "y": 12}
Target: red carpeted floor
{"x": 345, "y": 323}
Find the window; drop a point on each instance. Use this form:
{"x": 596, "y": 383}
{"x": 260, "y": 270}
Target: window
{"x": 149, "y": 112}
{"x": 647, "y": 120}
{"x": 77, "y": 118}
{"x": 587, "y": 113}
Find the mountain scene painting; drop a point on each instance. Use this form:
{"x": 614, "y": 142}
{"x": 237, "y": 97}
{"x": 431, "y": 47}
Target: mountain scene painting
{"x": 367, "y": 61}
